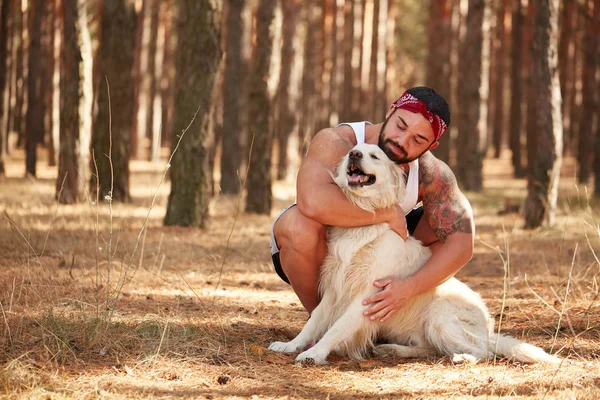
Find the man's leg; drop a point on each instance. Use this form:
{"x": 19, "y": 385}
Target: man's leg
{"x": 302, "y": 247}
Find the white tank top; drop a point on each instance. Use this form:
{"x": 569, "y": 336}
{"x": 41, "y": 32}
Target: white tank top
{"x": 412, "y": 185}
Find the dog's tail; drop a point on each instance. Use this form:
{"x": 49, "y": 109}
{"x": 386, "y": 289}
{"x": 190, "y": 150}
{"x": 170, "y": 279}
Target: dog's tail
{"x": 519, "y": 351}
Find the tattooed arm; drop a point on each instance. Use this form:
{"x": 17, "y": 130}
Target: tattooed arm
{"x": 446, "y": 227}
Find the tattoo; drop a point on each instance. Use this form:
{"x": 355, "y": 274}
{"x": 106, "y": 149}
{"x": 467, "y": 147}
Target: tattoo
{"x": 446, "y": 208}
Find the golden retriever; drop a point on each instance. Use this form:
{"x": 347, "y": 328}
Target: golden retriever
{"x": 448, "y": 320}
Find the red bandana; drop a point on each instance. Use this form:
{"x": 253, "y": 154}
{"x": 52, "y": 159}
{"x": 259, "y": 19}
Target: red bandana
{"x": 410, "y": 103}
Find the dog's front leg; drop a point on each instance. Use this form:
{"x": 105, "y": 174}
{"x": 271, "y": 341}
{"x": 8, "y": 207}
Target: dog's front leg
{"x": 312, "y": 331}
{"x": 343, "y": 330}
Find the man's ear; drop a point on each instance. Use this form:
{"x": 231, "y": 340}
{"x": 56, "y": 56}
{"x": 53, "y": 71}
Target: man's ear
{"x": 434, "y": 145}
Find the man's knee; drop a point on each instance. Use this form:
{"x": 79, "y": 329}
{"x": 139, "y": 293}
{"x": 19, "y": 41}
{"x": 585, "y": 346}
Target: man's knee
{"x": 301, "y": 233}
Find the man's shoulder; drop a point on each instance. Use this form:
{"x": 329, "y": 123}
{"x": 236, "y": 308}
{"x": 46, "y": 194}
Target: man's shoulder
{"x": 332, "y": 142}
{"x": 341, "y": 133}
{"x": 434, "y": 170}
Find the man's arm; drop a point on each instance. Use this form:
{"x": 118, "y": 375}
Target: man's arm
{"x": 321, "y": 200}
{"x": 450, "y": 218}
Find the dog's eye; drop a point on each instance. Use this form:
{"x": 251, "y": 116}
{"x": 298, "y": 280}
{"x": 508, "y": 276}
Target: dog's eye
{"x": 374, "y": 157}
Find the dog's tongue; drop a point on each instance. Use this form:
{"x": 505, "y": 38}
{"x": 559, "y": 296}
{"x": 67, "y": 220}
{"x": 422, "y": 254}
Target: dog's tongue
{"x": 357, "y": 178}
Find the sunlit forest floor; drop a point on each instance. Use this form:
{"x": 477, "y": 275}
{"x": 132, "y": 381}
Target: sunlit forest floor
{"x": 92, "y": 308}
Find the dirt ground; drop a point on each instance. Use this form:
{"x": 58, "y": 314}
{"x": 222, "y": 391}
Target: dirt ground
{"x": 95, "y": 307}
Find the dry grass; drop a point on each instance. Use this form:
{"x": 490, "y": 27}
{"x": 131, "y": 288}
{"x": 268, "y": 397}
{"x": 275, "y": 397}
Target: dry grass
{"x": 175, "y": 334}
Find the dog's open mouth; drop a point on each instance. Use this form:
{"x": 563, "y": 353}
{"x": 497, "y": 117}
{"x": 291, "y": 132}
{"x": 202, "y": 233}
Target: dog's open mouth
{"x": 356, "y": 176}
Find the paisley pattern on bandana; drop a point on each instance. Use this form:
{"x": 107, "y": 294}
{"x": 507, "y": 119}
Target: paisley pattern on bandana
{"x": 410, "y": 103}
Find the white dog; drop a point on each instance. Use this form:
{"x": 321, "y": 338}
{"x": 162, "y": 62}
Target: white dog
{"x": 448, "y": 320}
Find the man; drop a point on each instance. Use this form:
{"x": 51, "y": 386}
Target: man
{"x": 413, "y": 126}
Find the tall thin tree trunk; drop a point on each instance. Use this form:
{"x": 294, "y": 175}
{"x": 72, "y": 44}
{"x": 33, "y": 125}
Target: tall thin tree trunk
{"x": 167, "y": 84}
{"x": 285, "y": 115}
{"x": 76, "y": 104}
{"x": 22, "y": 75}
{"x": 373, "y": 111}
{"x": 438, "y": 75}
{"x": 154, "y": 9}
{"x": 542, "y": 187}
{"x": 532, "y": 91}
{"x": 233, "y": 92}
{"x": 140, "y": 58}
{"x": 197, "y": 58}
{"x": 566, "y": 51}
{"x": 308, "y": 112}
{"x": 474, "y": 83}
{"x": 516, "y": 89}
{"x": 35, "y": 121}
{"x": 259, "y": 107}
{"x": 588, "y": 94}
{"x": 54, "y": 21}
{"x": 358, "y": 106}
{"x": 4, "y": 11}
{"x": 501, "y": 61}
{"x": 111, "y": 140}
{"x": 596, "y": 24}
{"x": 347, "y": 86}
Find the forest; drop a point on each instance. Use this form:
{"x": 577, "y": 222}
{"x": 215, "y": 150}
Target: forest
{"x": 146, "y": 147}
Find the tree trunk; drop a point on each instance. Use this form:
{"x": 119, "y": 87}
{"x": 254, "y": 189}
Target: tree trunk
{"x": 516, "y": 89}
{"x": 285, "y": 114}
{"x": 438, "y": 75}
{"x": 168, "y": 77}
{"x": 566, "y": 51}
{"x": 347, "y": 87}
{"x": 259, "y": 108}
{"x": 21, "y": 76}
{"x": 372, "y": 111}
{"x": 358, "y": 106}
{"x": 197, "y": 57}
{"x": 474, "y": 78}
{"x": 308, "y": 102}
{"x": 139, "y": 77}
{"x": 501, "y": 60}
{"x": 588, "y": 94}
{"x": 532, "y": 91}
{"x": 231, "y": 145}
{"x": 596, "y": 24}
{"x": 54, "y": 23}
{"x": 4, "y": 11}
{"x": 542, "y": 186}
{"x": 35, "y": 119}
{"x": 112, "y": 127}
{"x": 154, "y": 9}
{"x": 76, "y": 104}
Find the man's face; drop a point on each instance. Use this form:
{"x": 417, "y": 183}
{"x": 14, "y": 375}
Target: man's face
{"x": 405, "y": 136}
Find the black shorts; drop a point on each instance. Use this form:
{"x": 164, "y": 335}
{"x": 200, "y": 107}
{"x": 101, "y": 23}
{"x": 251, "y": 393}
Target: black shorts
{"x": 412, "y": 219}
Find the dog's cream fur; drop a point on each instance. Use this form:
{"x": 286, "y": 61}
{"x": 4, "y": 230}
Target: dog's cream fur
{"x": 448, "y": 320}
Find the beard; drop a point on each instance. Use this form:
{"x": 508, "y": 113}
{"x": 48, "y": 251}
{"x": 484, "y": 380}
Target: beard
{"x": 388, "y": 145}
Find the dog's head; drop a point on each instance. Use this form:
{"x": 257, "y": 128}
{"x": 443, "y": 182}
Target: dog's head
{"x": 370, "y": 179}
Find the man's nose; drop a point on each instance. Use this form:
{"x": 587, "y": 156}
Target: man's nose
{"x": 355, "y": 155}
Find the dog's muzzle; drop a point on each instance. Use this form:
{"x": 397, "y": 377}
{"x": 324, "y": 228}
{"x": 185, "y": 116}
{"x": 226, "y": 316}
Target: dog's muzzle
{"x": 356, "y": 176}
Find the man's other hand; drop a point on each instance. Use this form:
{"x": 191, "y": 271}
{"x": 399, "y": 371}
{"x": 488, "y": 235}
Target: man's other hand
{"x": 397, "y": 222}
{"x": 394, "y": 295}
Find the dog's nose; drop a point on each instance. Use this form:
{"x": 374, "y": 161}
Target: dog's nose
{"x": 355, "y": 154}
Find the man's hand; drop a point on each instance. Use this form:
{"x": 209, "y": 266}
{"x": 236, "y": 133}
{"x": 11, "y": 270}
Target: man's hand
{"x": 397, "y": 222}
{"x": 393, "y": 296}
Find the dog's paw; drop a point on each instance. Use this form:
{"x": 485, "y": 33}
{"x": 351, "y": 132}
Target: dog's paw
{"x": 283, "y": 347}
{"x": 311, "y": 357}
{"x": 464, "y": 359}
{"x": 384, "y": 350}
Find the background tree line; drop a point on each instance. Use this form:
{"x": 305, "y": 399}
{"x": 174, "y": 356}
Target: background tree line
{"x": 240, "y": 87}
